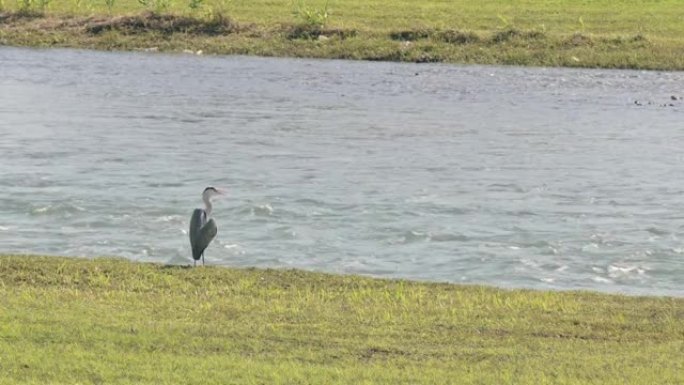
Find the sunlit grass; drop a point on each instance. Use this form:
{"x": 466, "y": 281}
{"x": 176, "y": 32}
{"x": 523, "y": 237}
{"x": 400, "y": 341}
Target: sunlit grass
{"x": 663, "y": 17}
{"x": 601, "y": 33}
{"x": 113, "y": 321}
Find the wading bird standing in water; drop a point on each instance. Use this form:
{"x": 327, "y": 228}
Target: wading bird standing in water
{"x": 202, "y": 229}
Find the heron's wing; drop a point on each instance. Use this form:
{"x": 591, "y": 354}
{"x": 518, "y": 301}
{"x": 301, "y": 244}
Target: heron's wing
{"x": 199, "y": 218}
{"x": 201, "y": 232}
{"x": 204, "y": 237}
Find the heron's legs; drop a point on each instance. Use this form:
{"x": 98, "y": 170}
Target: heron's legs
{"x": 202, "y": 259}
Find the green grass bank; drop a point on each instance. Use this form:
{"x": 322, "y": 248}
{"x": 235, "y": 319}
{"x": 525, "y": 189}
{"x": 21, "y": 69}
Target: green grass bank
{"x": 69, "y": 321}
{"x": 600, "y": 33}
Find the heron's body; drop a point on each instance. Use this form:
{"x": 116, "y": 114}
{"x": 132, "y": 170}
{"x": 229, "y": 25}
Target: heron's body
{"x": 202, "y": 228}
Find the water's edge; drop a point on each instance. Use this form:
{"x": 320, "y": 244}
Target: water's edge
{"x": 367, "y": 276}
{"x": 518, "y": 177}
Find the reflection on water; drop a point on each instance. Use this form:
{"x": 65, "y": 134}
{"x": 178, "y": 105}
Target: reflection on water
{"x": 542, "y": 178}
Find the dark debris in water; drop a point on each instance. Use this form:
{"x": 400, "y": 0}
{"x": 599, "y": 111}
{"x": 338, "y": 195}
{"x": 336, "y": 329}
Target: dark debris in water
{"x": 673, "y": 98}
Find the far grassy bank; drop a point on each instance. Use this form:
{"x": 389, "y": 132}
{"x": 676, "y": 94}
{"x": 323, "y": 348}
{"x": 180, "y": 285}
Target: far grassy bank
{"x": 67, "y": 321}
{"x": 601, "y": 33}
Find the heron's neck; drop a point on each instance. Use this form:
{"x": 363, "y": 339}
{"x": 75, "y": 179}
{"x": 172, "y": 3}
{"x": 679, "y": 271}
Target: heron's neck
{"x": 208, "y": 205}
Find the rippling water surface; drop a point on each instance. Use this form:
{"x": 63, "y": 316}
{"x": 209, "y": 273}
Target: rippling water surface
{"x": 541, "y": 178}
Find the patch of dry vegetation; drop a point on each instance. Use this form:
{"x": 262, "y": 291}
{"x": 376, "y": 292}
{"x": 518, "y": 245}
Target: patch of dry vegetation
{"x": 163, "y": 23}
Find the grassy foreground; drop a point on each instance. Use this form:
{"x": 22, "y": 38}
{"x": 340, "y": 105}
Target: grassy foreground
{"x": 598, "y": 33}
{"x": 69, "y": 321}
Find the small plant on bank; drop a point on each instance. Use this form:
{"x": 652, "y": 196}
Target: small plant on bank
{"x": 314, "y": 18}
{"x": 32, "y": 7}
{"x": 110, "y": 5}
{"x": 42, "y": 4}
{"x": 310, "y": 21}
{"x": 505, "y": 23}
{"x": 156, "y": 6}
{"x": 195, "y": 5}
{"x": 217, "y": 14}
{"x": 84, "y": 4}
{"x": 24, "y": 6}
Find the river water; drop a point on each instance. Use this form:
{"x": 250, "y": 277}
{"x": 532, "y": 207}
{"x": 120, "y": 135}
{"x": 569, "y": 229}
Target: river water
{"x": 515, "y": 177}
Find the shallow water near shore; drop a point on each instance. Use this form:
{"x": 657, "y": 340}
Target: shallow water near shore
{"x": 515, "y": 177}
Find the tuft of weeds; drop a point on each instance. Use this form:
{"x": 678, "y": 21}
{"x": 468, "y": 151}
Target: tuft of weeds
{"x": 156, "y": 6}
{"x": 310, "y": 32}
{"x": 447, "y": 36}
{"x": 341, "y": 33}
{"x": 458, "y": 37}
{"x": 218, "y": 24}
{"x": 195, "y": 6}
{"x": 89, "y": 6}
{"x": 25, "y": 6}
{"x": 302, "y": 31}
{"x": 218, "y": 10}
{"x": 582, "y": 26}
{"x": 310, "y": 21}
{"x": 42, "y": 5}
{"x": 110, "y": 5}
{"x": 164, "y": 24}
{"x": 639, "y": 40}
{"x": 411, "y": 34}
{"x": 314, "y": 18}
{"x": 578, "y": 39}
{"x": 516, "y": 34}
{"x": 29, "y": 9}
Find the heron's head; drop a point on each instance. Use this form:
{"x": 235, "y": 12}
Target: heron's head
{"x": 211, "y": 192}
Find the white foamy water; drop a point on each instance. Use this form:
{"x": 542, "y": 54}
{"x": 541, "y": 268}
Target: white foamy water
{"x": 540, "y": 178}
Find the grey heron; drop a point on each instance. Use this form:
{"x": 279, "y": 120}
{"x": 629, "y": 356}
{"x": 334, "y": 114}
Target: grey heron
{"x": 202, "y": 228}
